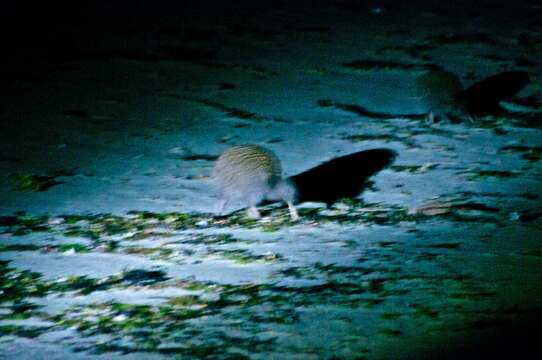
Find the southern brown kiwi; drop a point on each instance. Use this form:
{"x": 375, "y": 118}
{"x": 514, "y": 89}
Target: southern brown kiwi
{"x": 443, "y": 96}
{"x": 249, "y": 174}
{"x": 439, "y": 93}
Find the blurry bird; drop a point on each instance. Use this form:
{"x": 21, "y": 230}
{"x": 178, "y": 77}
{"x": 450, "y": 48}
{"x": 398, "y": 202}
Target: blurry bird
{"x": 443, "y": 96}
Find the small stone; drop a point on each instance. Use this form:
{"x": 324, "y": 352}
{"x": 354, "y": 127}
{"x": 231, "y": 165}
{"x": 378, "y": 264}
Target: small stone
{"x": 202, "y": 223}
{"x": 56, "y": 221}
{"x": 515, "y": 216}
{"x": 120, "y": 318}
{"x": 69, "y": 252}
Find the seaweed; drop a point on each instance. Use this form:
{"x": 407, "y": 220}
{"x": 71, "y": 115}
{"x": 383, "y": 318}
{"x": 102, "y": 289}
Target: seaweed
{"x": 189, "y": 54}
{"x": 76, "y": 248}
{"x": 472, "y": 294}
{"x": 18, "y": 247}
{"x": 529, "y": 216}
{"x": 390, "y": 332}
{"x": 77, "y": 113}
{"x": 22, "y": 331}
{"x": 185, "y": 301}
{"x": 143, "y": 277}
{"x": 36, "y": 183}
{"x": 23, "y": 224}
{"x": 523, "y": 61}
{"x": 39, "y": 183}
{"x": 255, "y": 31}
{"x": 484, "y": 174}
{"x": 9, "y": 159}
{"x": 532, "y": 101}
{"x": 195, "y": 157}
{"x": 450, "y": 245}
{"x": 529, "y": 153}
{"x": 214, "y": 239}
{"x": 416, "y": 51}
{"x": 390, "y": 315}
{"x": 370, "y": 137}
{"x": 369, "y": 65}
{"x": 226, "y": 86}
{"x": 105, "y": 229}
{"x": 16, "y": 286}
{"x": 424, "y": 311}
{"x": 364, "y": 112}
{"x": 475, "y": 38}
{"x": 230, "y": 111}
{"x": 242, "y": 256}
{"x": 414, "y": 169}
{"x": 21, "y": 310}
{"x": 83, "y": 285}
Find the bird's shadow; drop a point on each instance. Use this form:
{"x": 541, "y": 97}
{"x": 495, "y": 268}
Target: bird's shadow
{"x": 483, "y": 97}
{"x": 342, "y": 177}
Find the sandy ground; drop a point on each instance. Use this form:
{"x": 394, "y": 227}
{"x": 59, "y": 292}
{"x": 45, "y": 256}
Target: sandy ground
{"x": 109, "y": 244}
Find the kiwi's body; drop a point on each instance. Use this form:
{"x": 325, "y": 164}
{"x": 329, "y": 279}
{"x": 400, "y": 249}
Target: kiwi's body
{"x": 249, "y": 174}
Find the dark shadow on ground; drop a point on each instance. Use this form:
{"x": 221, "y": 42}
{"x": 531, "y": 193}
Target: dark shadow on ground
{"x": 499, "y": 339}
{"x": 343, "y": 177}
{"x": 483, "y": 97}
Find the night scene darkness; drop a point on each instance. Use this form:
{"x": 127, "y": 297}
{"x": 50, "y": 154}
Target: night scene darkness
{"x": 329, "y": 179}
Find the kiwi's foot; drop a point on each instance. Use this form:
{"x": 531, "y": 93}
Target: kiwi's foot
{"x": 430, "y": 117}
{"x": 293, "y": 211}
{"x": 221, "y": 207}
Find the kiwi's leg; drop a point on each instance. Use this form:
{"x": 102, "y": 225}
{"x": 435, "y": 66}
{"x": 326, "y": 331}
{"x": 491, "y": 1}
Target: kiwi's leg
{"x": 293, "y": 211}
{"x": 253, "y": 212}
{"x": 431, "y": 118}
{"x": 252, "y": 200}
{"x": 222, "y": 204}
